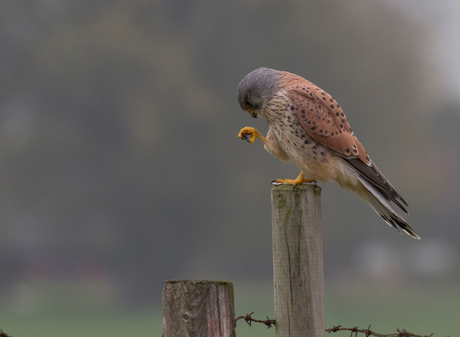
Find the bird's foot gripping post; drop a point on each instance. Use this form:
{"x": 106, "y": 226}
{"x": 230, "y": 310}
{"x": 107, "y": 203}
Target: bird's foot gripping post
{"x": 297, "y": 181}
{"x": 298, "y": 261}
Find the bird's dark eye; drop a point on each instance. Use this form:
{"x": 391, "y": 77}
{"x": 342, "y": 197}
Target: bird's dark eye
{"x": 247, "y": 104}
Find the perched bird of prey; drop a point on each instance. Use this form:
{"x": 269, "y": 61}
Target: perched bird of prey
{"x": 307, "y": 127}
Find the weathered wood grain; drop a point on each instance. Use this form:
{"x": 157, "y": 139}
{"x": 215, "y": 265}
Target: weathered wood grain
{"x": 198, "y": 308}
{"x": 298, "y": 261}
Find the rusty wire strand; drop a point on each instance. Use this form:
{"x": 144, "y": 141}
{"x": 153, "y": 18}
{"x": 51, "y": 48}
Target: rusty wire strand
{"x": 248, "y": 319}
{"x": 367, "y": 332}
{"x": 353, "y": 331}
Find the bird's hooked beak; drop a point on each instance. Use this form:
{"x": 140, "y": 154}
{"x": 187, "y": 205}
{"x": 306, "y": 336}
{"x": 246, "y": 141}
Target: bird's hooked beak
{"x": 252, "y": 113}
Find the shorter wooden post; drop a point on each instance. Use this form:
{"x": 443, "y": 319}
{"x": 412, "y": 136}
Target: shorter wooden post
{"x": 298, "y": 261}
{"x": 198, "y": 308}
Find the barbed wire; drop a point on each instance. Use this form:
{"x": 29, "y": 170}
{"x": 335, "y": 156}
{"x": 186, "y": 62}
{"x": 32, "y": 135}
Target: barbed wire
{"x": 354, "y": 331}
{"x": 367, "y": 332}
{"x": 248, "y": 319}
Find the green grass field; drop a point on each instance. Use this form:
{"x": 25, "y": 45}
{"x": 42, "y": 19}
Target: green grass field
{"x": 419, "y": 309}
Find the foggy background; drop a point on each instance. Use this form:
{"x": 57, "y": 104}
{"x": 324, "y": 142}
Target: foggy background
{"x": 120, "y": 165}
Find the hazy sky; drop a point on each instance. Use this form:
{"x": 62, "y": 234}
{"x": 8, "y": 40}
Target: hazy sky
{"x": 443, "y": 18}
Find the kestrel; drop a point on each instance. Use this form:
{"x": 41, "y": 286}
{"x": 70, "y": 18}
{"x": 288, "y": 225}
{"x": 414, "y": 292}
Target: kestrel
{"x": 307, "y": 127}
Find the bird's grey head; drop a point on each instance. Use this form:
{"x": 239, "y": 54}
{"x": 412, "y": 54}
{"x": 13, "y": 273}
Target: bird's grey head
{"x": 256, "y": 89}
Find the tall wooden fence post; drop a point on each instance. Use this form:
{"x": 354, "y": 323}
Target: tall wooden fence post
{"x": 198, "y": 308}
{"x": 298, "y": 261}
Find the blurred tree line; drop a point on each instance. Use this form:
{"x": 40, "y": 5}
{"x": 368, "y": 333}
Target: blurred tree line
{"x": 119, "y": 158}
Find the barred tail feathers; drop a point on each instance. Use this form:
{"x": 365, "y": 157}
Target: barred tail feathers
{"x": 383, "y": 208}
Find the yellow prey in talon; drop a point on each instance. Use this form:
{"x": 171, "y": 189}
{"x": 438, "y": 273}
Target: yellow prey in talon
{"x": 251, "y": 132}
{"x": 297, "y": 181}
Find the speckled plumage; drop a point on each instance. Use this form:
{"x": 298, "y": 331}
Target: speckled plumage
{"x": 308, "y": 127}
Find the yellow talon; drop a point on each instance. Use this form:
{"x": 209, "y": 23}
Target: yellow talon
{"x": 249, "y": 134}
{"x": 299, "y": 180}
